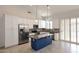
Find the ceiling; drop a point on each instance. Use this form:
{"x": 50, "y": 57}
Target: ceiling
{"x": 42, "y": 10}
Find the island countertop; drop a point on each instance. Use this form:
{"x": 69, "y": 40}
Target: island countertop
{"x": 42, "y": 34}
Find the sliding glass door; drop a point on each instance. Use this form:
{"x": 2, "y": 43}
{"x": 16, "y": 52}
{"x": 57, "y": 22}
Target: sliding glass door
{"x": 67, "y": 30}
{"x": 62, "y": 30}
{"x": 73, "y": 30}
{"x": 77, "y": 30}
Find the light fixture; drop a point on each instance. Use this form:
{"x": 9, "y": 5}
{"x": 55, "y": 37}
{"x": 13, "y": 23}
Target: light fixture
{"x": 29, "y": 12}
{"x": 47, "y": 12}
{"x": 48, "y": 15}
{"x": 36, "y": 13}
{"x": 36, "y": 16}
{"x": 36, "y": 21}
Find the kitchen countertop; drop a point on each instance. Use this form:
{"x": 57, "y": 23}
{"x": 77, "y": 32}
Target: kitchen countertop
{"x": 42, "y": 34}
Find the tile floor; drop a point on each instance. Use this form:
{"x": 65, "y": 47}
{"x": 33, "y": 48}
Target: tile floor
{"x": 55, "y": 47}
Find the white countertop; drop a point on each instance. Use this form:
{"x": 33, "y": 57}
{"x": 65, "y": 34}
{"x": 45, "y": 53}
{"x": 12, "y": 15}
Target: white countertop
{"x": 42, "y": 34}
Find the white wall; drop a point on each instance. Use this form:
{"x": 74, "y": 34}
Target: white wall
{"x": 2, "y": 32}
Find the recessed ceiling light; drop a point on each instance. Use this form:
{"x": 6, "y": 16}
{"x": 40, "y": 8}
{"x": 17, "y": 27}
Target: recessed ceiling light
{"x": 29, "y": 12}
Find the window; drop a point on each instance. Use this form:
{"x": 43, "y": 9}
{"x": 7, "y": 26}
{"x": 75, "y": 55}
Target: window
{"x": 73, "y": 30}
{"x": 45, "y": 24}
{"x": 42, "y": 24}
{"x": 62, "y": 30}
{"x": 51, "y": 24}
{"x": 77, "y": 30}
{"x": 67, "y": 32}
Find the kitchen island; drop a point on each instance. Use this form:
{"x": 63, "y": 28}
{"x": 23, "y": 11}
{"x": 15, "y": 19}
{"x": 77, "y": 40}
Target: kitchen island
{"x": 41, "y": 40}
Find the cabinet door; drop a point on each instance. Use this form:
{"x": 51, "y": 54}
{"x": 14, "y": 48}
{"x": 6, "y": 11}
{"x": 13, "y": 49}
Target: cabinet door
{"x": 8, "y": 31}
{"x": 11, "y": 31}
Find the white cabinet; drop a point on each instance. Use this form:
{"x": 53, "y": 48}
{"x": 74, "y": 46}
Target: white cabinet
{"x": 9, "y": 29}
{"x": 56, "y": 36}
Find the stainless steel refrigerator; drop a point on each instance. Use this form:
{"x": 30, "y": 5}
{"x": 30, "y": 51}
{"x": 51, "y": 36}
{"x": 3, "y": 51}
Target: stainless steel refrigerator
{"x": 23, "y": 32}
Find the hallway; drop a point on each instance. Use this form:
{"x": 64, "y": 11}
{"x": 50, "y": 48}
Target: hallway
{"x": 56, "y": 47}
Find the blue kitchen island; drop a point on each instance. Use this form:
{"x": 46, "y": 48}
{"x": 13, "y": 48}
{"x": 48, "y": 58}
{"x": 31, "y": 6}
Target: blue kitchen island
{"x": 40, "y": 41}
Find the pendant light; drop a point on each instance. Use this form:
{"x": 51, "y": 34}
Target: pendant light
{"x": 47, "y": 15}
{"x": 36, "y": 20}
{"x": 48, "y": 19}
